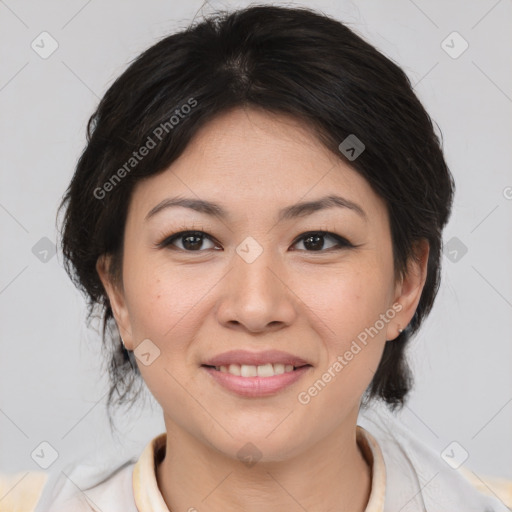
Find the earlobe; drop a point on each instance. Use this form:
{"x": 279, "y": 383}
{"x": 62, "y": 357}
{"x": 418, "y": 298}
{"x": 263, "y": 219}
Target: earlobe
{"x": 116, "y": 299}
{"x": 409, "y": 290}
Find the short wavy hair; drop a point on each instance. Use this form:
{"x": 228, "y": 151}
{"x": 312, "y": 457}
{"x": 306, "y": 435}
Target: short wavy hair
{"x": 294, "y": 61}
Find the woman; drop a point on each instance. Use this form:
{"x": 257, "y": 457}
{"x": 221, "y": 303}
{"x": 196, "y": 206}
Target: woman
{"x": 258, "y": 213}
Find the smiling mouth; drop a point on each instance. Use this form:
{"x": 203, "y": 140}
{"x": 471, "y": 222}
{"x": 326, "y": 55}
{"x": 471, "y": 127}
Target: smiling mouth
{"x": 265, "y": 370}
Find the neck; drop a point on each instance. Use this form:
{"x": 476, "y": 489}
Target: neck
{"x": 331, "y": 475}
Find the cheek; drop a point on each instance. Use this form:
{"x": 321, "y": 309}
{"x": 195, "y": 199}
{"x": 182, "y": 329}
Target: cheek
{"x": 160, "y": 298}
{"x": 349, "y": 306}
{"x": 347, "y": 301}
{"x": 165, "y": 307}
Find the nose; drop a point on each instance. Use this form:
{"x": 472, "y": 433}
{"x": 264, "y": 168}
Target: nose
{"x": 256, "y": 296}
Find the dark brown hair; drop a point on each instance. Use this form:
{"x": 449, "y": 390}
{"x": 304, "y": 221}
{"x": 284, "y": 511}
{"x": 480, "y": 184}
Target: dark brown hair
{"x": 282, "y": 60}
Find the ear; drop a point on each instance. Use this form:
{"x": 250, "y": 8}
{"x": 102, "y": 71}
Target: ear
{"x": 408, "y": 290}
{"x": 115, "y": 293}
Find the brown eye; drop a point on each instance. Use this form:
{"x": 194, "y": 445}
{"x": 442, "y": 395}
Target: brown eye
{"x": 191, "y": 241}
{"x": 315, "y": 241}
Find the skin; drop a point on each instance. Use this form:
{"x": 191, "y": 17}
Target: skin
{"x": 197, "y": 304}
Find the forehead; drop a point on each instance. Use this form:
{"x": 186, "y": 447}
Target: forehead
{"x": 254, "y": 161}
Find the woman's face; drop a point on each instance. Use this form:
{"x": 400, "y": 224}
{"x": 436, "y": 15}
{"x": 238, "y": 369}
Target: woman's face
{"x": 259, "y": 278}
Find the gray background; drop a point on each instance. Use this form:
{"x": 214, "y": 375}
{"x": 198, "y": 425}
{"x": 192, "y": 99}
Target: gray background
{"x": 52, "y": 379}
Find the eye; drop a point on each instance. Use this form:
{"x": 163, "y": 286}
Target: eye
{"x": 191, "y": 241}
{"x": 314, "y": 241}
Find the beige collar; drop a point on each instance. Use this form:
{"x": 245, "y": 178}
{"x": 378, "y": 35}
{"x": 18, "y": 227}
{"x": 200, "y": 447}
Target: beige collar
{"x": 148, "y": 497}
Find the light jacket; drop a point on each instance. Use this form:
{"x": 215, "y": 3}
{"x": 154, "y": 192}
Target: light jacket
{"x": 407, "y": 476}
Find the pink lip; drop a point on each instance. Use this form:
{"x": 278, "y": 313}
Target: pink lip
{"x": 256, "y": 386}
{"x": 255, "y": 358}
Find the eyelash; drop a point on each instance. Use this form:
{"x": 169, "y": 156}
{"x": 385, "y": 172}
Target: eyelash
{"x": 342, "y": 243}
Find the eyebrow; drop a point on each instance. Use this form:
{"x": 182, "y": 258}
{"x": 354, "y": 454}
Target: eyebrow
{"x": 290, "y": 212}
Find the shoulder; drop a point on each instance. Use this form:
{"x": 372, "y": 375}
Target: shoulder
{"x": 92, "y": 485}
{"x": 21, "y": 491}
{"x": 418, "y": 478}
{"x": 490, "y": 485}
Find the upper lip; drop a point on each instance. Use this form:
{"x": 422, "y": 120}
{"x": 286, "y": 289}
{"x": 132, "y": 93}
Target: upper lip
{"x": 255, "y": 358}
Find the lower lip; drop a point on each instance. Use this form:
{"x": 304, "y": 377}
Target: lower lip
{"x": 256, "y": 386}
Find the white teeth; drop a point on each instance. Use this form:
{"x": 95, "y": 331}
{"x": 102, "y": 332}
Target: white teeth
{"x": 234, "y": 369}
{"x": 279, "y": 368}
{"x": 264, "y": 370}
{"x": 248, "y": 371}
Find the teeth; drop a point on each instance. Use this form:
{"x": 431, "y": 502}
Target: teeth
{"x": 234, "y": 369}
{"x": 265, "y": 370}
{"x": 248, "y": 371}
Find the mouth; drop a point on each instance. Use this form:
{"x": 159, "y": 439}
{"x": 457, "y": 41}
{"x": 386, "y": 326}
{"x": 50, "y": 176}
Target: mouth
{"x": 250, "y": 381}
{"x": 255, "y": 374}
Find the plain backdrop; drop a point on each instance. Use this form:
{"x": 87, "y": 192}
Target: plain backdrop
{"x": 52, "y": 385}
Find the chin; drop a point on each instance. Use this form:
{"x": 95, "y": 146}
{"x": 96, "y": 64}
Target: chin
{"x": 257, "y": 444}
